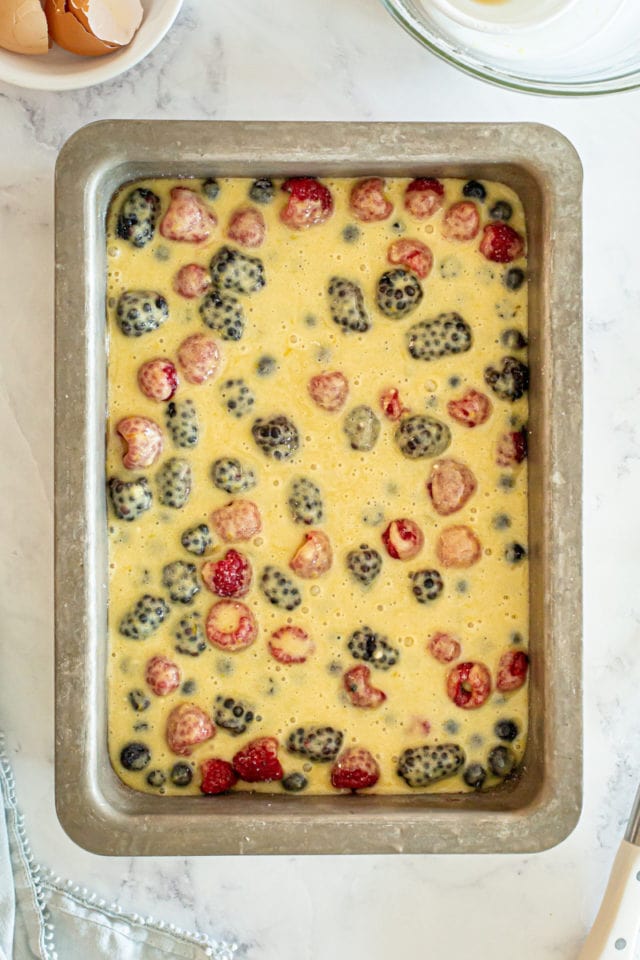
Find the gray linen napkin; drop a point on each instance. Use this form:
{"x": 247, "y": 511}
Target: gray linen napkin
{"x": 44, "y": 917}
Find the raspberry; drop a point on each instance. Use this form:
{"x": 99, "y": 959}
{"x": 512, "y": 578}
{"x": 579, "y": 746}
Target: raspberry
{"x": 403, "y": 539}
{"x": 228, "y": 577}
{"x": 258, "y": 761}
{"x": 510, "y": 383}
{"x": 365, "y": 644}
{"x": 162, "y": 675}
{"x": 319, "y": 744}
{"x": 422, "y": 436}
{"x": 235, "y": 271}
{"x": 359, "y": 690}
{"x": 180, "y": 580}
{"x": 138, "y": 215}
{"x": 231, "y": 626}
{"x": 346, "y": 305}
{"x": 247, "y": 227}
{"x": 471, "y": 410}
{"x": 450, "y": 485}
{"x": 237, "y": 520}
{"x": 216, "y": 776}
{"x": 192, "y": 281}
{"x": 469, "y": 685}
{"x": 130, "y": 498}
{"x": 461, "y": 222}
{"x": 398, "y": 293}
{"x": 424, "y": 765}
{"x": 314, "y": 557}
{"x": 391, "y": 404}
{"x": 512, "y": 670}
{"x": 182, "y": 423}
{"x": 424, "y": 197}
{"x": 412, "y": 254}
{"x": 290, "y": 645}
{"x": 199, "y": 357}
{"x": 310, "y": 203}
{"x": 458, "y": 546}
{"x": 443, "y": 647}
{"x": 448, "y": 334}
{"x": 187, "y": 218}
{"x": 329, "y": 390}
{"x": 187, "y": 726}
{"x": 501, "y": 243}
{"x": 355, "y": 769}
{"x": 143, "y": 439}
{"x": 368, "y": 202}
{"x": 158, "y": 379}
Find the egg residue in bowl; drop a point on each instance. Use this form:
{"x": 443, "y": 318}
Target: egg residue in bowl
{"x": 86, "y": 27}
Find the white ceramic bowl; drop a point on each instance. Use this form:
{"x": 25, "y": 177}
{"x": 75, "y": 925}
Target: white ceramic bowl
{"x": 60, "y": 70}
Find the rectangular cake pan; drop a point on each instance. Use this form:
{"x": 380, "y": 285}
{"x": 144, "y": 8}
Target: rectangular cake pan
{"x": 542, "y": 806}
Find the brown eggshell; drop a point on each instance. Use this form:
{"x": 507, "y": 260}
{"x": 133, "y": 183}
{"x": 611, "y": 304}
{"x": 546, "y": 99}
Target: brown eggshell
{"x": 23, "y": 27}
{"x": 67, "y": 31}
{"x": 112, "y": 21}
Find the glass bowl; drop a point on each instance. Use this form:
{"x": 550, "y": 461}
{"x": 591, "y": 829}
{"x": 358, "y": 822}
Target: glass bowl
{"x": 590, "y": 47}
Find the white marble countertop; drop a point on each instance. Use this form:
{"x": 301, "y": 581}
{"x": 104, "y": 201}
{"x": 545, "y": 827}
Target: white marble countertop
{"x": 322, "y": 60}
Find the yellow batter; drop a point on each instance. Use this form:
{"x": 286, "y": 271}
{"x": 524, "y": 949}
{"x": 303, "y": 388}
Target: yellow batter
{"x": 485, "y": 606}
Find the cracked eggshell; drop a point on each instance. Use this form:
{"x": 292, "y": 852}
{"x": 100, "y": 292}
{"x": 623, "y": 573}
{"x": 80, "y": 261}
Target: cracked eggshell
{"x": 66, "y": 30}
{"x": 112, "y": 21}
{"x": 23, "y": 27}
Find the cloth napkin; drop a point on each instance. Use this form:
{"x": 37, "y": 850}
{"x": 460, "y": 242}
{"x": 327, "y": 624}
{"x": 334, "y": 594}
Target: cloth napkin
{"x": 44, "y": 917}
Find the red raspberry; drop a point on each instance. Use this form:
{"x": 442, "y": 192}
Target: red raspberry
{"x": 247, "y": 227}
{"x": 471, "y": 410}
{"x": 458, "y": 547}
{"x": 199, "y": 357}
{"x": 217, "y": 776}
{"x": 424, "y": 197}
{"x": 158, "y": 379}
{"x": 237, "y": 520}
{"x": 187, "y": 218}
{"x": 511, "y": 449}
{"x": 314, "y": 557}
{"x": 144, "y": 441}
{"x": 403, "y": 539}
{"x": 228, "y": 577}
{"x": 512, "y": 670}
{"x": 188, "y": 725}
{"x": 291, "y": 644}
{"x": 258, "y": 761}
{"x": 450, "y": 486}
{"x": 310, "y": 203}
{"x": 359, "y": 690}
{"x": 355, "y": 769}
{"x": 391, "y": 404}
{"x": 162, "y": 675}
{"x": 412, "y": 254}
{"x": 469, "y": 685}
{"x": 192, "y": 281}
{"x": 231, "y": 626}
{"x": 368, "y": 202}
{"x": 461, "y": 222}
{"x": 444, "y": 647}
{"x": 501, "y": 243}
{"x": 329, "y": 390}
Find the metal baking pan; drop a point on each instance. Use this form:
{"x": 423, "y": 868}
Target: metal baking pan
{"x": 542, "y": 806}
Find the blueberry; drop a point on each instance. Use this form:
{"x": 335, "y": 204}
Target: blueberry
{"x": 350, "y": 233}
{"x": 398, "y": 227}
{"x": 294, "y": 782}
{"x": 475, "y": 775}
{"x": 502, "y": 761}
{"x": 139, "y": 700}
{"x": 501, "y": 522}
{"x": 262, "y": 190}
{"x": 398, "y": 293}
{"x": 513, "y": 278}
{"x": 156, "y": 778}
{"x": 138, "y": 215}
{"x": 506, "y": 730}
{"x": 501, "y": 210}
{"x": 135, "y": 756}
{"x": 266, "y": 365}
{"x": 513, "y": 339}
{"x": 475, "y": 190}
{"x": 211, "y": 188}
{"x": 188, "y": 687}
{"x": 181, "y": 774}
{"x": 514, "y": 552}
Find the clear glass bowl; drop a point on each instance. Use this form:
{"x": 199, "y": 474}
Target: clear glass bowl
{"x": 593, "y": 47}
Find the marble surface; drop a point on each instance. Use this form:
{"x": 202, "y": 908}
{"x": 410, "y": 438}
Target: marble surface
{"x": 322, "y": 60}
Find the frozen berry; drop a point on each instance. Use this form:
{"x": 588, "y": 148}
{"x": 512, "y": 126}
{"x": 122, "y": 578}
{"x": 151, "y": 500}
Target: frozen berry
{"x": 262, "y": 190}
{"x": 351, "y": 233}
{"x": 135, "y": 756}
{"x": 279, "y": 589}
{"x": 233, "y": 715}
{"x": 174, "y": 483}
{"x": 501, "y": 210}
{"x": 364, "y": 564}
{"x": 512, "y": 448}
{"x": 368, "y": 201}
{"x": 141, "y": 311}
{"x": 137, "y": 217}
{"x": 138, "y": 700}
{"x": 181, "y": 774}
{"x": 360, "y": 691}
{"x": 474, "y": 189}
{"x": 444, "y": 336}
{"x": 228, "y": 577}
{"x": 197, "y": 540}
{"x": 346, "y": 305}
{"x": 513, "y": 339}
{"x": 475, "y": 775}
{"x": 235, "y": 271}
{"x": 237, "y": 397}
{"x": 224, "y": 314}
{"x": 144, "y": 618}
{"x": 182, "y": 423}
{"x": 237, "y": 520}
{"x": 429, "y": 763}
{"x": 469, "y": 685}
{"x": 391, "y": 404}
{"x": 295, "y": 782}
{"x": 310, "y": 203}
{"x": 362, "y": 428}
{"x": 130, "y": 498}
{"x": 471, "y": 410}
{"x": 266, "y": 366}
{"x": 156, "y": 778}
{"x": 162, "y": 675}
{"x": 412, "y": 254}
{"x": 450, "y": 486}
{"x": 180, "y": 580}
{"x": 319, "y": 744}
{"x": 424, "y": 197}
{"x": 211, "y": 188}
{"x": 216, "y": 776}
{"x": 189, "y": 636}
{"x": 247, "y": 227}
{"x": 510, "y": 383}
{"x": 277, "y": 437}
{"x": 291, "y": 644}
{"x": 512, "y": 670}
{"x": 403, "y": 539}
{"x": 199, "y": 357}
{"x": 187, "y": 726}
{"x": 231, "y": 626}
{"x": 258, "y": 761}
{"x": 502, "y": 761}
{"x": 422, "y": 436}
{"x": 192, "y": 281}
{"x": 305, "y": 501}
{"x": 158, "y": 379}
{"x": 514, "y": 553}
{"x": 458, "y": 547}
{"x": 355, "y": 769}
{"x": 187, "y": 220}
{"x": 365, "y": 644}
{"x": 426, "y": 585}
{"x": 314, "y": 556}
{"x": 506, "y": 730}
{"x": 232, "y": 476}
{"x": 501, "y": 243}
{"x": 513, "y": 278}
{"x": 398, "y": 293}
{"x": 143, "y": 440}
{"x": 461, "y": 222}
{"x": 329, "y": 390}
{"x": 443, "y": 647}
